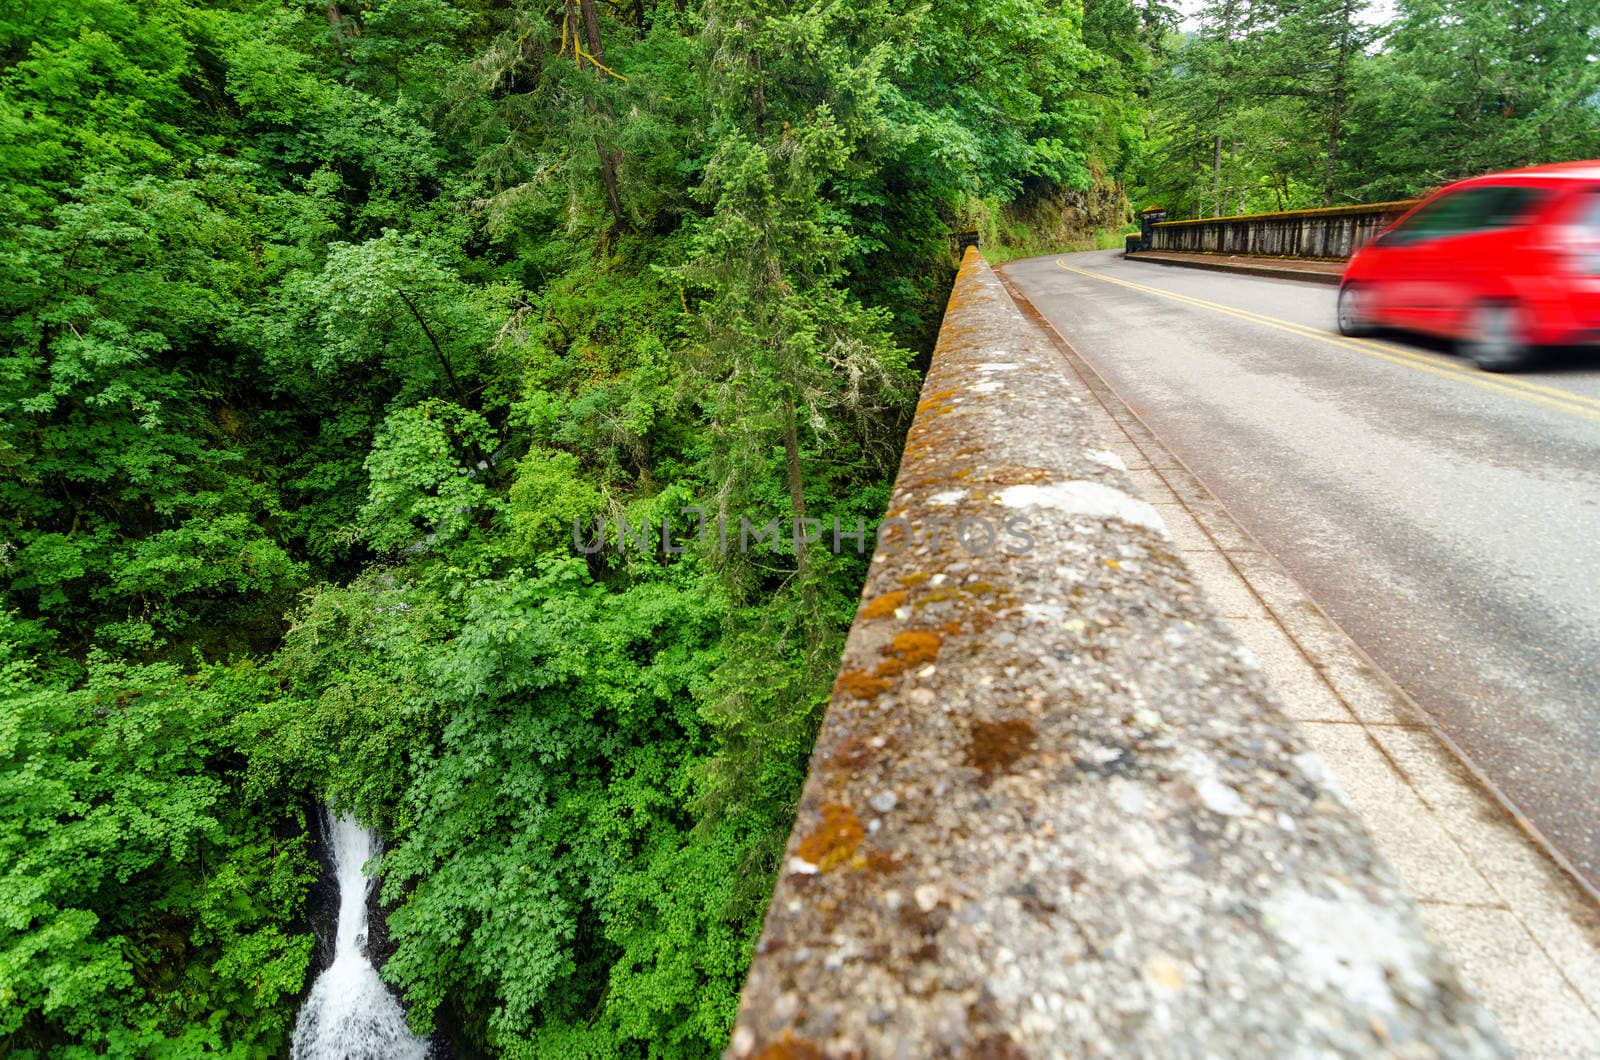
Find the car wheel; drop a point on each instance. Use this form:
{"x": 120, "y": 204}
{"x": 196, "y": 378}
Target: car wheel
{"x": 1496, "y": 338}
{"x": 1353, "y": 314}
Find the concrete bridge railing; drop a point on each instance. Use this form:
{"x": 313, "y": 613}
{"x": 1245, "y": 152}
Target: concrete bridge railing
{"x": 1337, "y": 232}
{"x": 1054, "y": 810}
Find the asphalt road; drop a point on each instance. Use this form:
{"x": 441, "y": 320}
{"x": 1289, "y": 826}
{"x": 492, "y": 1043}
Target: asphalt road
{"x": 1448, "y": 519}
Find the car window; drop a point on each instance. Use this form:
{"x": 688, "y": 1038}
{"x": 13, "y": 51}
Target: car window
{"x": 1448, "y": 214}
{"x": 1588, "y": 215}
{"x": 1513, "y": 205}
{"x": 1475, "y": 209}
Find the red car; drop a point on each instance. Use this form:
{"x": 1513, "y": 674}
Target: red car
{"x": 1503, "y": 264}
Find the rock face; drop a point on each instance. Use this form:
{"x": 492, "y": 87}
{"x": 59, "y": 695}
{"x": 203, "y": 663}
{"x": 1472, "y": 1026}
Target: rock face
{"x": 1054, "y": 809}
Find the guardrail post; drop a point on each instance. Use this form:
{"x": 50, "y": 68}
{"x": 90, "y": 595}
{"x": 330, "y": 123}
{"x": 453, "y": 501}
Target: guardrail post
{"x": 1148, "y": 219}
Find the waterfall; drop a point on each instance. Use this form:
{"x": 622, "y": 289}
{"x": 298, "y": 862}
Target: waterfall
{"x": 350, "y": 1014}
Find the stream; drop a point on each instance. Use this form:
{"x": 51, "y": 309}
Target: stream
{"x": 350, "y": 1014}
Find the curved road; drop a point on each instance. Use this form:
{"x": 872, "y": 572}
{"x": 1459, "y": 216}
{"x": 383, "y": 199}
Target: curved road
{"x": 1448, "y": 519}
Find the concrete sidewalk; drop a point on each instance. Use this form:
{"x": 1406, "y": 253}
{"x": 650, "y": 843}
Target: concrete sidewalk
{"x": 1524, "y": 934}
{"x": 1307, "y": 270}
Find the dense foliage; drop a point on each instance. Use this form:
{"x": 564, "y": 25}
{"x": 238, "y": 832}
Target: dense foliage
{"x": 320, "y": 325}
{"x": 1282, "y": 104}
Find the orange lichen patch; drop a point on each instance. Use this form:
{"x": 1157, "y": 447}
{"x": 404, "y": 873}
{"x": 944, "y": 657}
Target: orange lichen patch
{"x": 789, "y": 1048}
{"x": 914, "y": 646}
{"x": 996, "y": 745}
{"x": 882, "y": 862}
{"x": 914, "y": 578}
{"x": 979, "y": 618}
{"x": 999, "y": 1047}
{"x": 886, "y": 604}
{"x": 833, "y": 841}
{"x": 851, "y": 754}
{"x": 890, "y": 668}
{"x": 938, "y": 476}
{"x": 1018, "y": 476}
{"x": 858, "y": 684}
{"x": 934, "y": 596}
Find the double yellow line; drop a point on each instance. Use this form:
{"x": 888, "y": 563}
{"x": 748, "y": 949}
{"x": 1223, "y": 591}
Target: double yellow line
{"x": 1524, "y": 390}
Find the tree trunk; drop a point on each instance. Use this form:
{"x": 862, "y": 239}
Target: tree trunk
{"x": 759, "y": 97}
{"x": 811, "y": 619}
{"x": 1335, "y": 120}
{"x": 1216, "y": 171}
{"x": 336, "y": 22}
{"x": 797, "y": 497}
{"x": 438, "y": 350}
{"x": 609, "y": 165}
{"x": 1197, "y": 204}
{"x": 1341, "y": 72}
{"x": 591, "y": 30}
{"x": 610, "y": 161}
{"x": 1233, "y": 165}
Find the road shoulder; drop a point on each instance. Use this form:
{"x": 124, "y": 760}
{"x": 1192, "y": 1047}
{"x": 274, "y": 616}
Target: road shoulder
{"x": 1524, "y": 933}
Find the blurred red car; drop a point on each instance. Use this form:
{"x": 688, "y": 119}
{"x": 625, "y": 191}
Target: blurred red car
{"x": 1503, "y": 264}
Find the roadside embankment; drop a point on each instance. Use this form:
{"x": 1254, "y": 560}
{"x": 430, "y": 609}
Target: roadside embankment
{"x": 1053, "y": 808}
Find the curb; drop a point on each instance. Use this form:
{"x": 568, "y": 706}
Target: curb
{"x": 1270, "y": 272}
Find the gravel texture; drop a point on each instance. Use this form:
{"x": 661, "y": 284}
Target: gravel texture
{"x": 1053, "y": 809}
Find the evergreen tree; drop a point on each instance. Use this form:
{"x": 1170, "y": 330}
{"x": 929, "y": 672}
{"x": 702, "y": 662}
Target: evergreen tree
{"x": 1466, "y": 87}
{"x": 323, "y": 323}
{"x": 1310, "y": 56}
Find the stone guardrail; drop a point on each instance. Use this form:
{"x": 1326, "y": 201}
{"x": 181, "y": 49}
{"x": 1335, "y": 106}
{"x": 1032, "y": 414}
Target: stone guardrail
{"x": 1053, "y": 809}
{"x": 1337, "y": 232}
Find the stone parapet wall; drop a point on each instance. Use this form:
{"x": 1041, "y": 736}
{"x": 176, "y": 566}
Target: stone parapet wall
{"x": 1337, "y": 232}
{"x": 1054, "y": 810}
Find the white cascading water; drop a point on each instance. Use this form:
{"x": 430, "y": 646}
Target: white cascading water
{"x": 350, "y": 1014}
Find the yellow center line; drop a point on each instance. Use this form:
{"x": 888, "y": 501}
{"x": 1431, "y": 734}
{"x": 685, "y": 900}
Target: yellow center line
{"x": 1552, "y": 397}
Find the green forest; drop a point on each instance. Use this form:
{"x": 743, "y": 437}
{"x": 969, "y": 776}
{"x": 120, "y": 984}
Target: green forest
{"x": 1289, "y": 104}
{"x": 325, "y": 324}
